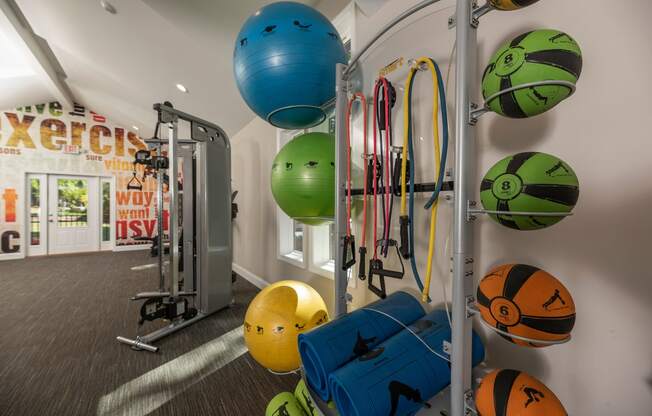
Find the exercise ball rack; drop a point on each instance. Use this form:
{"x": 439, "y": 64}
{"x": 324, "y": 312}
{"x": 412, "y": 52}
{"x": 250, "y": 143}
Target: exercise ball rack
{"x": 463, "y": 187}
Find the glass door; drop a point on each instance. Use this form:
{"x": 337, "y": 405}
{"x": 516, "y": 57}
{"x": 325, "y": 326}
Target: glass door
{"x": 73, "y": 214}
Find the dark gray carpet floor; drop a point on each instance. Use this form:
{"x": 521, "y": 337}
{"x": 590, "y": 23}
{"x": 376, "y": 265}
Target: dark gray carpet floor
{"x": 59, "y": 317}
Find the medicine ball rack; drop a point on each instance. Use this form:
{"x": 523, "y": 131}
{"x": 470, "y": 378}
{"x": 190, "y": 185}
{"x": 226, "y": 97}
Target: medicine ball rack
{"x": 466, "y": 116}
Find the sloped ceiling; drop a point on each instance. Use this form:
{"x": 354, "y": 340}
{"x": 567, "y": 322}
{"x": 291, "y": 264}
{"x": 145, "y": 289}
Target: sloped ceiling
{"x": 120, "y": 64}
{"x": 19, "y": 83}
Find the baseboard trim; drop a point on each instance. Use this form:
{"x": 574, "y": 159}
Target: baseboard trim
{"x": 252, "y": 278}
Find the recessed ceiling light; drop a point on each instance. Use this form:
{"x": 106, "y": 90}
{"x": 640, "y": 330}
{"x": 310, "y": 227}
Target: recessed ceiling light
{"x": 181, "y": 88}
{"x": 135, "y": 127}
{"x": 108, "y": 7}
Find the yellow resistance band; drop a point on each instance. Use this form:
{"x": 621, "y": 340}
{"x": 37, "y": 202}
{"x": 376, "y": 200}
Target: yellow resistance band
{"x": 436, "y": 140}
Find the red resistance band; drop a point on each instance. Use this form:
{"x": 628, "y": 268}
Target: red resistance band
{"x": 387, "y": 196}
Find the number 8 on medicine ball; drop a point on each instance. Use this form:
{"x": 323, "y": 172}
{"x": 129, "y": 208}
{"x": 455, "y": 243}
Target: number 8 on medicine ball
{"x": 284, "y": 64}
{"x": 529, "y": 182}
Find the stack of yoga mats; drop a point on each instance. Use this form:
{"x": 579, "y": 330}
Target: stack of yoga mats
{"x": 385, "y": 359}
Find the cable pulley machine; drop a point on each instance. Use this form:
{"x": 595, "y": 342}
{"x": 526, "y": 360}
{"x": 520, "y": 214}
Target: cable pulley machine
{"x": 197, "y": 278}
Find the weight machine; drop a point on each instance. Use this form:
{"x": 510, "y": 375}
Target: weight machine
{"x": 197, "y": 279}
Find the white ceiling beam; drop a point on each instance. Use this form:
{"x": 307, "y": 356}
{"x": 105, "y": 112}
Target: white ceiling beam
{"x": 37, "y": 54}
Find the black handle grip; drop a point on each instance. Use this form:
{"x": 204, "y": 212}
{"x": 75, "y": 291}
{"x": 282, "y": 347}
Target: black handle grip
{"x": 404, "y": 220}
{"x": 380, "y": 292}
{"x": 362, "y": 274}
{"x": 374, "y": 266}
{"x": 390, "y": 273}
{"x": 348, "y": 247}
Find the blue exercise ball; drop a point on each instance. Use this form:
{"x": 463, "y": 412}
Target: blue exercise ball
{"x": 284, "y": 64}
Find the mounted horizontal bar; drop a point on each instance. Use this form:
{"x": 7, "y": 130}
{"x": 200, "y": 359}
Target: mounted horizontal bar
{"x": 418, "y": 187}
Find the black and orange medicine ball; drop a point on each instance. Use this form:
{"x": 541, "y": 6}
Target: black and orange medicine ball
{"x": 514, "y": 393}
{"x": 527, "y": 302}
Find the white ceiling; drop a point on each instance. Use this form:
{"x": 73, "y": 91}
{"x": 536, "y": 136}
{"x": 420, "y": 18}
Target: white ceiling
{"x": 119, "y": 65}
{"x": 21, "y": 78}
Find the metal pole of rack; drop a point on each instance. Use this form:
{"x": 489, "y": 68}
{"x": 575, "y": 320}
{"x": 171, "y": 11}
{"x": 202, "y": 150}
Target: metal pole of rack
{"x": 173, "y": 227}
{"x": 341, "y": 280}
{"x": 461, "y": 366}
{"x": 159, "y": 217}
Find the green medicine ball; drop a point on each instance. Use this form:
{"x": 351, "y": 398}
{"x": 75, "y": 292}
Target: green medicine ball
{"x": 529, "y": 182}
{"x": 303, "y": 178}
{"x": 540, "y": 55}
{"x": 284, "y": 404}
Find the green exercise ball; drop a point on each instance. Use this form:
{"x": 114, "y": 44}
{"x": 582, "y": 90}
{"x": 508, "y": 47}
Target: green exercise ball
{"x": 284, "y": 404}
{"x": 529, "y": 182}
{"x": 303, "y": 178}
{"x": 533, "y": 57}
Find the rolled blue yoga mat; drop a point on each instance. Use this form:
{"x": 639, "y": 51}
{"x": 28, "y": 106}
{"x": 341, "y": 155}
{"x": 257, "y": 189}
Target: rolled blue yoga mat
{"x": 330, "y": 346}
{"x": 398, "y": 376}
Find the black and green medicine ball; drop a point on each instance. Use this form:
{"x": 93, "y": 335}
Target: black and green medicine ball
{"x": 533, "y": 57}
{"x": 511, "y": 4}
{"x": 529, "y": 182}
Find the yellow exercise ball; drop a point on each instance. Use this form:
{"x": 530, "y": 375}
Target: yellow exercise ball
{"x": 276, "y": 317}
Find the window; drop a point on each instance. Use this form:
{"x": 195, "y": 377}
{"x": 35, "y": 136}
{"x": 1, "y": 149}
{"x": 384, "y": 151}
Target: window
{"x": 36, "y": 222}
{"x": 107, "y": 214}
{"x": 311, "y": 247}
{"x": 35, "y": 211}
{"x": 72, "y": 203}
{"x": 291, "y": 233}
{"x": 106, "y": 211}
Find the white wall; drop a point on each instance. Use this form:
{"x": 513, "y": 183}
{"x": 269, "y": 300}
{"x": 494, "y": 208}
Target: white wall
{"x": 599, "y": 253}
{"x": 254, "y": 230}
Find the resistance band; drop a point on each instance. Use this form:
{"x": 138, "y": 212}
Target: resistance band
{"x": 383, "y": 112}
{"x": 407, "y": 218}
{"x": 381, "y": 162}
{"x": 349, "y": 241}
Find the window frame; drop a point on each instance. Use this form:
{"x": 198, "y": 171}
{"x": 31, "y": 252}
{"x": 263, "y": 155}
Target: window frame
{"x": 285, "y": 229}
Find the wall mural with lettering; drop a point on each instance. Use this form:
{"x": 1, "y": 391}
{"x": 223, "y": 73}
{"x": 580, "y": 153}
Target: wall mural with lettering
{"x": 45, "y": 138}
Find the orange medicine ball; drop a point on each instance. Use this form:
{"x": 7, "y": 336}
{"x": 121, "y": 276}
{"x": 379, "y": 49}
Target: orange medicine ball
{"x": 527, "y": 302}
{"x": 514, "y": 393}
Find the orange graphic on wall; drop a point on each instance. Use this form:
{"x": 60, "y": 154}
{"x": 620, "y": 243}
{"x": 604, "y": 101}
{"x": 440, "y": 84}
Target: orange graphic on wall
{"x": 10, "y": 198}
